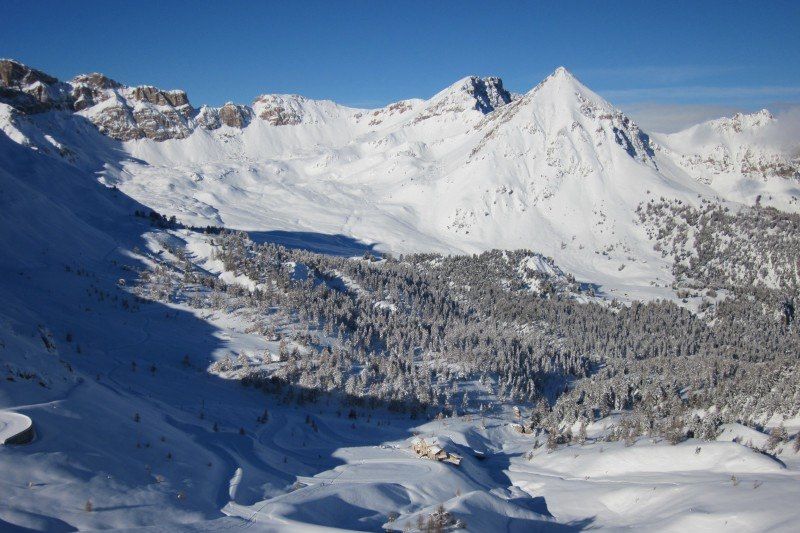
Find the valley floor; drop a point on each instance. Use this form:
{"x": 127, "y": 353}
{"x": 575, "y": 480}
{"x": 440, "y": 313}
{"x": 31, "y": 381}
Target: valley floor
{"x": 131, "y": 434}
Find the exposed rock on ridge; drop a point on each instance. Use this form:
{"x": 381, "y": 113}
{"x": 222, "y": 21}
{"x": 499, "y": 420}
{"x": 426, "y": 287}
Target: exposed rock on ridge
{"x": 230, "y": 114}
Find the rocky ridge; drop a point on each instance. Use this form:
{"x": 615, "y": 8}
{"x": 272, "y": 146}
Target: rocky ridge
{"x": 123, "y": 113}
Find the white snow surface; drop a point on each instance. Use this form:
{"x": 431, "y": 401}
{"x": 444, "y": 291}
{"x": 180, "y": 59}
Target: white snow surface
{"x": 557, "y": 170}
{"x": 125, "y": 436}
{"x": 12, "y": 424}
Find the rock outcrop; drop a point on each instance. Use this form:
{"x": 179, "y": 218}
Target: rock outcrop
{"x": 91, "y": 89}
{"x": 155, "y": 96}
{"x": 279, "y": 110}
{"x": 230, "y": 114}
{"x": 472, "y": 93}
{"x": 489, "y": 93}
{"x": 31, "y": 91}
{"x": 118, "y": 111}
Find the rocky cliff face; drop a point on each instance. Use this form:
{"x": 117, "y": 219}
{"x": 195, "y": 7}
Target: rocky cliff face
{"x": 156, "y": 96}
{"x": 31, "y": 91}
{"x": 130, "y": 113}
{"x": 469, "y": 94}
{"x": 126, "y": 113}
{"x": 91, "y": 89}
{"x": 230, "y": 114}
{"x": 121, "y": 120}
{"x": 120, "y": 112}
{"x": 489, "y": 93}
{"x": 147, "y": 112}
{"x": 142, "y": 112}
{"x": 279, "y": 110}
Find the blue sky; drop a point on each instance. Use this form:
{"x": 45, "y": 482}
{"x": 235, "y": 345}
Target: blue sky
{"x": 704, "y": 56}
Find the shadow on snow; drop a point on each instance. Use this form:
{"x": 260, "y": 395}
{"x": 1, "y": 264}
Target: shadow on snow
{"x": 167, "y": 428}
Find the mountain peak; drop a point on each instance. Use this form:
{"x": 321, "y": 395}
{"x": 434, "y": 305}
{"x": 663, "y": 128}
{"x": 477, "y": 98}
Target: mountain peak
{"x": 559, "y": 76}
{"x": 743, "y": 121}
{"x": 488, "y": 93}
{"x": 561, "y": 83}
{"x": 562, "y": 86}
{"x": 30, "y": 90}
{"x": 561, "y": 72}
{"x": 561, "y": 108}
{"x": 469, "y": 93}
{"x": 19, "y": 75}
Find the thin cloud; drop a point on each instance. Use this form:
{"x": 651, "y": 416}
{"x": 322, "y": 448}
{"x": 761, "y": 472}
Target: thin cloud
{"x": 701, "y": 93}
{"x": 662, "y": 74}
{"x": 785, "y": 131}
{"x": 669, "y": 118}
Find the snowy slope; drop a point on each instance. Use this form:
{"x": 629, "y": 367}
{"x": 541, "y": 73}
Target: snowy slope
{"x": 132, "y": 430}
{"x": 558, "y": 170}
{"x": 758, "y": 147}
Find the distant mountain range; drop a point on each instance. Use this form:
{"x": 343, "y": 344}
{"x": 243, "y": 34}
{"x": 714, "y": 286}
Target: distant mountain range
{"x": 557, "y": 170}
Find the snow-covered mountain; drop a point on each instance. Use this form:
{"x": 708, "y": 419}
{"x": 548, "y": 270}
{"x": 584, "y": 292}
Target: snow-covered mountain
{"x": 125, "y": 339}
{"x": 558, "y": 169}
{"x": 734, "y": 155}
